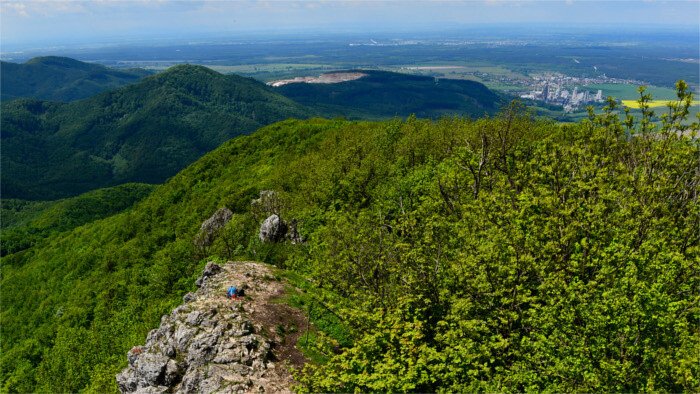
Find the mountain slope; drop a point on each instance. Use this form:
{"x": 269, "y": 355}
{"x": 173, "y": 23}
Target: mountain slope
{"x": 501, "y": 254}
{"x": 61, "y": 78}
{"x": 383, "y": 94}
{"x": 27, "y": 223}
{"x": 91, "y": 294}
{"x": 213, "y": 343}
{"x": 144, "y": 132}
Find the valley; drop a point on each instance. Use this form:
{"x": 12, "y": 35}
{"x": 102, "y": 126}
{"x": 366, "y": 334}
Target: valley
{"x": 148, "y": 131}
{"x": 377, "y": 209}
{"x": 505, "y": 65}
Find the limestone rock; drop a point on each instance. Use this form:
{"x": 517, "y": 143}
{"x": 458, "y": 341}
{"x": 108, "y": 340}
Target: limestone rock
{"x": 133, "y": 354}
{"x": 209, "y": 344}
{"x": 273, "y": 229}
{"x": 189, "y": 297}
{"x": 151, "y": 368}
{"x": 293, "y": 233}
{"x": 211, "y": 269}
{"x": 211, "y": 227}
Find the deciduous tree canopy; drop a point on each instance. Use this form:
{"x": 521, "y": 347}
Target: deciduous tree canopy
{"x": 498, "y": 254}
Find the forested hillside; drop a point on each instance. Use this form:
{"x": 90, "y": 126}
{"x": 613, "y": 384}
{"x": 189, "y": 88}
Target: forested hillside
{"x": 28, "y": 223}
{"x": 144, "y": 132}
{"x": 62, "y": 79}
{"x": 498, "y": 254}
{"x": 383, "y": 94}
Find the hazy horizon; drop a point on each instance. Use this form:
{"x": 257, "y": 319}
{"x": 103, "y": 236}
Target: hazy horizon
{"x": 28, "y": 25}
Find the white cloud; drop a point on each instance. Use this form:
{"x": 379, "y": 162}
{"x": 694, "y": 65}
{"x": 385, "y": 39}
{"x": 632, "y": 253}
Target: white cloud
{"x": 46, "y": 8}
{"x": 18, "y": 8}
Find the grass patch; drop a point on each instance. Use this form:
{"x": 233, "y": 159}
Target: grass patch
{"x": 311, "y": 349}
{"x": 629, "y": 92}
{"x": 315, "y": 304}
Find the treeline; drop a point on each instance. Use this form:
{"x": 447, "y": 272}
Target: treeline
{"x": 498, "y": 254}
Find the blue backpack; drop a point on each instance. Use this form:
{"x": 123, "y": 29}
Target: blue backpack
{"x": 231, "y": 291}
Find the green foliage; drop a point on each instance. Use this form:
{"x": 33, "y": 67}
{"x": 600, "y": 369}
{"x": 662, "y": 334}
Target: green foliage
{"x": 315, "y": 301}
{"x": 61, "y": 79}
{"x": 500, "y": 254}
{"x": 16, "y": 213}
{"x": 29, "y": 223}
{"x": 234, "y": 238}
{"x": 109, "y": 281}
{"x": 524, "y": 257}
{"x": 144, "y": 132}
{"x": 383, "y": 94}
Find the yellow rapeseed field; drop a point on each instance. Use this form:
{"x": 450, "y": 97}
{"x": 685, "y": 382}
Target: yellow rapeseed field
{"x": 652, "y": 104}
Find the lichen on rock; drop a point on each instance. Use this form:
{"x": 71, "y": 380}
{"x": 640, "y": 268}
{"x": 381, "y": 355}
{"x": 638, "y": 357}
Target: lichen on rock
{"x": 212, "y": 343}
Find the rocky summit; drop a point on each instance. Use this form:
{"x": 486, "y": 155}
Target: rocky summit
{"x": 213, "y": 343}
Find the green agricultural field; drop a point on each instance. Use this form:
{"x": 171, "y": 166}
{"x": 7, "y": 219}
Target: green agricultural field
{"x": 274, "y": 67}
{"x": 245, "y": 69}
{"x": 457, "y": 70}
{"x": 629, "y": 92}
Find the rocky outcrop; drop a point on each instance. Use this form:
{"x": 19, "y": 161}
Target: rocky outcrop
{"x": 211, "y": 227}
{"x": 273, "y": 229}
{"x": 210, "y": 270}
{"x": 213, "y": 343}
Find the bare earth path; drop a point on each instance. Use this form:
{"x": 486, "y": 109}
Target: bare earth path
{"x": 213, "y": 343}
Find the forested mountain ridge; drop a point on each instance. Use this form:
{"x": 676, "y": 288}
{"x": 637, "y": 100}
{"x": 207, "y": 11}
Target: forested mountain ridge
{"x": 500, "y": 254}
{"x": 147, "y": 131}
{"x": 383, "y": 94}
{"x": 61, "y": 78}
{"x": 144, "y": 132}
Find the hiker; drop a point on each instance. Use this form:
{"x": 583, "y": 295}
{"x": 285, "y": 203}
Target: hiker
{"x": 235, "y": 293}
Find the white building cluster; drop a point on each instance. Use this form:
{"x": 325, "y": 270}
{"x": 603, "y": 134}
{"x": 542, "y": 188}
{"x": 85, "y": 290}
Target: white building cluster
{"x": 560, "y": 96}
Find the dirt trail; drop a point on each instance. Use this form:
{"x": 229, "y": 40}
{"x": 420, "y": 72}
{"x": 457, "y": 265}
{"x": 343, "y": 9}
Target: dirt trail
{"x": 212, "y": 343}
{"x": 262, "y": 303}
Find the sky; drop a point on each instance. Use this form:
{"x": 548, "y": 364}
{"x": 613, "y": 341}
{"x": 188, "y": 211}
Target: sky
{"x": 46, "y": 23}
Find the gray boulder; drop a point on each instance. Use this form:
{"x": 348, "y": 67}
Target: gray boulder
{"x": 133, "y": 354}
{"x": 211, "y": 227}
{"x": 188, "y": 297}
{"x": 210, "y": 270}
{"x": 273, "y": 229}
{"x": 128, "y": 381}
{"x": 151, "y": 368}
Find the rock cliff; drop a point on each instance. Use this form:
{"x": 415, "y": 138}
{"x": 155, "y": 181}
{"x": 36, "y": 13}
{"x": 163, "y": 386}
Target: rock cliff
{"x": 214, "y": 343}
